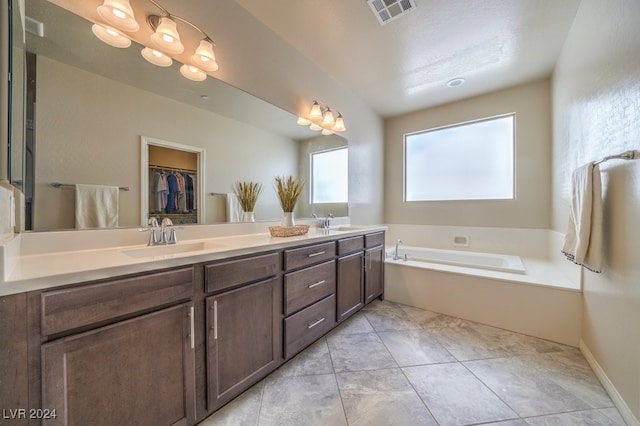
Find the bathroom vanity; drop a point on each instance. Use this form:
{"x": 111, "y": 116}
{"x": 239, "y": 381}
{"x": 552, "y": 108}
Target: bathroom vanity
{"x": 173, "y": 344}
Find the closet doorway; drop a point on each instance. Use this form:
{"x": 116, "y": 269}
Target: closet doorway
{"x": 172, "y": 182}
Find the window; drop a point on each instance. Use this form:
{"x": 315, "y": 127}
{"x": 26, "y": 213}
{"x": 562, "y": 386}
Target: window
{"x": 469, "y": 161}
{"x": 330, "y": 176}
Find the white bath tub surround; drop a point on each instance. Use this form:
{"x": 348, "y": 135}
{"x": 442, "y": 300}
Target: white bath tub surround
{"x": 514, "y": 279}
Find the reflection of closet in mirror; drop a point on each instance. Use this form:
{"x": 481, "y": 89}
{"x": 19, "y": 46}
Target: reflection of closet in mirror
{"x": 171, "y": 182}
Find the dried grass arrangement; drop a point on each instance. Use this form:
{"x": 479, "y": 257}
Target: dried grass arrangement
{"x": 247, "y": 193}
{"x": 289, "y": 191}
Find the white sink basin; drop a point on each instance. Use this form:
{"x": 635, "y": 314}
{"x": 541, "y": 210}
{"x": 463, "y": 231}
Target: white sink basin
{"x": 169, "y": 249}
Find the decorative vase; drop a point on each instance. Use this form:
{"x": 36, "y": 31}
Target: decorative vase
{"x": 248, "y": 217}
{"x": 288, "y": 219}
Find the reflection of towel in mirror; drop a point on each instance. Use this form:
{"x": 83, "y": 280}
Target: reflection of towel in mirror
{"x": 583, "y": 240}
{"x": 96, "y": 206}
{"x": 234, "y": 210}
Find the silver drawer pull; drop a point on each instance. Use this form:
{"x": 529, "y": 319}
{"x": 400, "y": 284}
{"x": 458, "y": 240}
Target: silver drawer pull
{"x": 313, "y": 324}
{"x": 317, "y": 284}
{"x": 317, "y": 253}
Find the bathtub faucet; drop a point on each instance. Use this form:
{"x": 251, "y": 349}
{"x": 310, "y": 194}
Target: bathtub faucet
{"x": 395, "y": 256}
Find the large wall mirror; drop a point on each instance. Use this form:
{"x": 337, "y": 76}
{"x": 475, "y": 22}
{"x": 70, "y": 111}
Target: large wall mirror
{"x": 91, "y": 104}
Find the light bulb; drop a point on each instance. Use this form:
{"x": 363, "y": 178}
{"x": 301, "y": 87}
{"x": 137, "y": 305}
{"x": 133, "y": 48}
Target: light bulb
{"x": 327, "y": 132}
{"x": 166, "y": 37}
{"x": 204, "y": 56}
{"x": 192, "y": 73}
{"x": 111, "y": 36}
{"x": 315, "y": 127}
{"x": 303, "y": 121}
{"x": 339, "y": 125}
{"x": 328, "y": 118}
{"x": 119, "y": 14}
{"x": 156, "y": 57}
{"x": 316, "y": 112}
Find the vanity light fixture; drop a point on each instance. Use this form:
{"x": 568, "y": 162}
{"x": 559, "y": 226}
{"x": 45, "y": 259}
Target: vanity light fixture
{"x": 165, "y": 40}
{"x": 119, "y": 14}
{"x": 321, "y": 117}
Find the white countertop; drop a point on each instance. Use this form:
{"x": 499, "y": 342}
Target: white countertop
{"x": 41, "y": 270}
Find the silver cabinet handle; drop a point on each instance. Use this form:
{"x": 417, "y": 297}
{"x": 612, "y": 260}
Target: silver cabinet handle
{"x": 313, "y": 324}
{"x": 192, "y": 337}
{"x": 317, "y": 284}
{"x": 215, "y": 320}
{"x": 317, "y": 253}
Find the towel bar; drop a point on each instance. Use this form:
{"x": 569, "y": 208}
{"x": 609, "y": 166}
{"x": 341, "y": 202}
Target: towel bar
{"x": 627, "y": 155}
{"x": 69, "y": 185}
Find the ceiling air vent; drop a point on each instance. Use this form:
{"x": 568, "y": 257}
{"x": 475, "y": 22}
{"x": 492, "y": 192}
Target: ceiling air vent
{"x": 388, "y": 10}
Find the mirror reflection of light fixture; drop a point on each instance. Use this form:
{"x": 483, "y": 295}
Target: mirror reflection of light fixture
{"x": 156, "y": 57}
{"x": 165, "y": 40}
{"x": 192, "y": 73}
{"x": 321, "y": 117}
{"x": 111, "y": 36}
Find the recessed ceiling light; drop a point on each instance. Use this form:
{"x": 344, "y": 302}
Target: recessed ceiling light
{"x": 205, "y": 97}
{"x": 455, "y": 82}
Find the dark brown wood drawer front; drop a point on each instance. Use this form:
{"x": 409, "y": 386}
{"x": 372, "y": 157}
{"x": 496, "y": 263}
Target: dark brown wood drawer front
{"x": 350, "y": 245}
{"x": 220, "y": 276}
{"x": 307, "y": 286}
{"x": 72, "y": 308}
{"x": 309, "y": 255}
{"x": 306, "y": 326}
{"x": 372, "y": 240}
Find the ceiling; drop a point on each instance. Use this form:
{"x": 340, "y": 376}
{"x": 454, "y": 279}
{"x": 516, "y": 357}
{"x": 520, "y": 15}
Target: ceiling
{"x": 404, "y": 65}
{"x": 397, "y": 68}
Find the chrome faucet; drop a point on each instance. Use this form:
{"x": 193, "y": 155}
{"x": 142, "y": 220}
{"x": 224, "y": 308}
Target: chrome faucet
{"x": 153, "y": 237}
{"x": 326, "y": 222}
{"x": 395, "y": 256}
{"x": 172, "y": 238}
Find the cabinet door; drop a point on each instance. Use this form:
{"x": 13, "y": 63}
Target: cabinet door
{"x": 349, "y": 292}
{"x": 373, "y": 273}
{"x": 139, "y": 371}
{"x": 244, "y": 338}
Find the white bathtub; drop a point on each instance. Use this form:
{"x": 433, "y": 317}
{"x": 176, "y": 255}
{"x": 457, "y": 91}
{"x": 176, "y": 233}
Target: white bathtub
{"x": 524, "y": 291}
{"x": 494, "y": 262}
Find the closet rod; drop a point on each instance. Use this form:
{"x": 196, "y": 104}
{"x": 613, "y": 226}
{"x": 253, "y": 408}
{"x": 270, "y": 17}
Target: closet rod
{"x": 69, "y": 185}
{"x": 627, "y": 155}
{"x": 175, "y": 169}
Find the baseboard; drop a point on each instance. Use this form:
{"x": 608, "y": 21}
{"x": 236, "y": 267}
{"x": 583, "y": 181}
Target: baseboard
{"x": 620, "y": 404}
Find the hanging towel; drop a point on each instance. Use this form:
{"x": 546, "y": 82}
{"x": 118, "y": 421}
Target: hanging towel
{"x": 583, "y": 240}
{"x": 96, "y": 206}
{"x": 234, "y": 210}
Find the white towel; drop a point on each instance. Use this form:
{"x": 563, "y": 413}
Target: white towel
{"x": 583, "y": 241}
{"x": 96, "y": 206}
{"x": 234, "y": 210}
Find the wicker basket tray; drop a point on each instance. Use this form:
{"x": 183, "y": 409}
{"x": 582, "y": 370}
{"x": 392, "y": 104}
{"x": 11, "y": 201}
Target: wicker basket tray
{"x": 288, "y": 231}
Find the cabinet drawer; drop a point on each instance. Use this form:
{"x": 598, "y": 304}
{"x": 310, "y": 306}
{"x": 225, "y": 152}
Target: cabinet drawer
{"x": 77, "y": 307}
{"x": 306, "y": 326}
{"x": 372, "y": 240}
{"x": 223, "y": 275}
{"x": 309, "y": 255}
{"x": 304, "y": 287}
{"x": 350, "y": 245}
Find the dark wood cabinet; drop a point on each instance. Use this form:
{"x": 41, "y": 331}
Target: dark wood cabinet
{"x": 244, "y": 338}
{"x": 350, "y": 297}
{"x": 373, "y": 273}
{"x": 139, "y": 371}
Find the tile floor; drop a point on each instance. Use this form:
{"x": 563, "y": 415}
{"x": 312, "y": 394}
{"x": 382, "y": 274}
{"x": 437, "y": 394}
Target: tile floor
{"x": 392, "y": 364}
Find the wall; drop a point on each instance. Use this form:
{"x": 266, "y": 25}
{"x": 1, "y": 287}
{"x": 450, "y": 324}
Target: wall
{"x": 531, "y": 103}
{"x": 596, "y": 112}
{"x": 88, "y": 131}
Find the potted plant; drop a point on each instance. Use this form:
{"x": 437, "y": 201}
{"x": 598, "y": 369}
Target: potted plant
{"x": 247, "y": 193}
{"x": 288, "y": 190}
